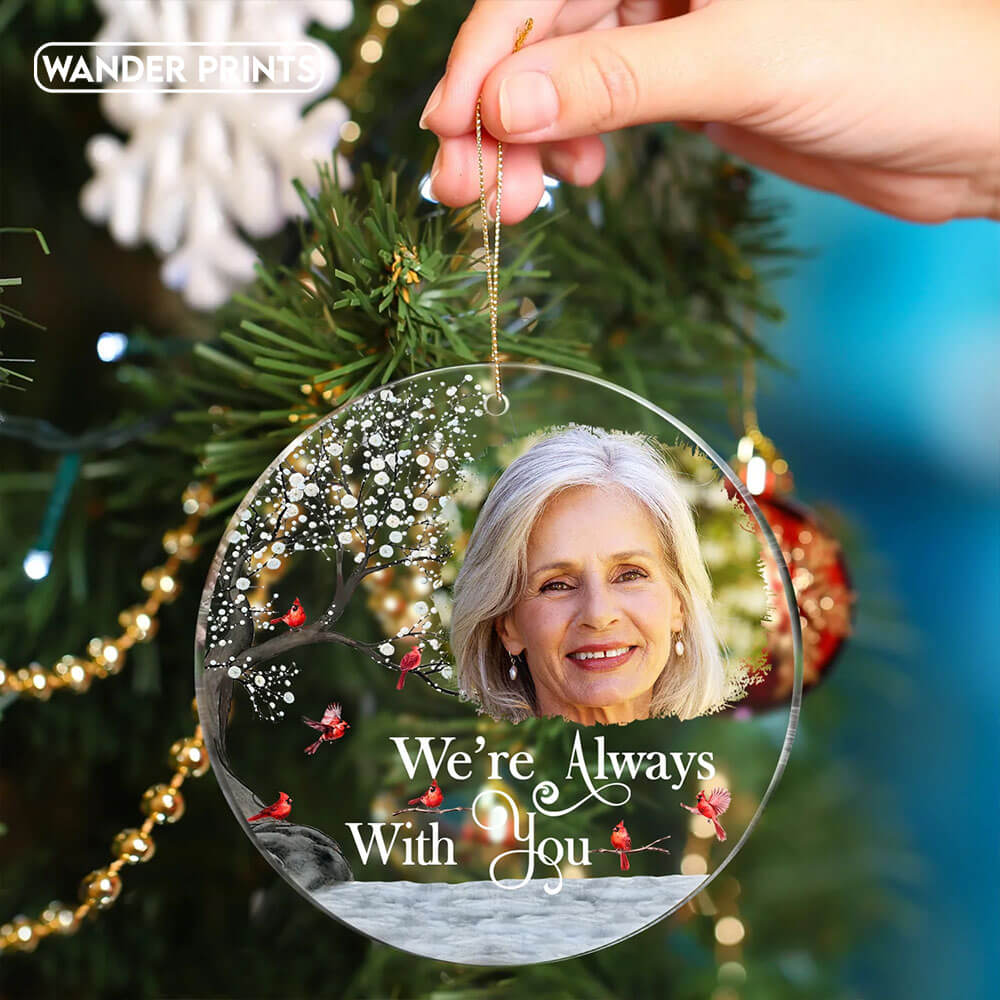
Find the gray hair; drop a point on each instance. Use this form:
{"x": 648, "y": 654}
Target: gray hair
{"x": 492, "y": 579}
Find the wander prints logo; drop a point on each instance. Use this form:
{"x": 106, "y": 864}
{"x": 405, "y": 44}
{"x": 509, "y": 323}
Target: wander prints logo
{"x": 191, "y": 67}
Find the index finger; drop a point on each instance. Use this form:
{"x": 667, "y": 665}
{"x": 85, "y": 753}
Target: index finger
{"x": 486, "y": 36}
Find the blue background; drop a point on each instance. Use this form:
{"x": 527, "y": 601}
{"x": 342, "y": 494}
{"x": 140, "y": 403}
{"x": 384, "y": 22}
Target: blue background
{"x": 893, "y": 416}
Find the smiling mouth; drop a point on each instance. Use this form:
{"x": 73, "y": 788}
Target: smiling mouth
{"x": 601, "y": 659}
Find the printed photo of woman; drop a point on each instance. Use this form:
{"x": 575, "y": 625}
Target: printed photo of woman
{"x": 583, "y": 592}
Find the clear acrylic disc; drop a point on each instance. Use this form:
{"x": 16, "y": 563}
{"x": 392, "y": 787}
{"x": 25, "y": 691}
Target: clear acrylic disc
{"x": 465, "y": 678}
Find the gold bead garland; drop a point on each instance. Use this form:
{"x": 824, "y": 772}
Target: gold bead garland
{"x": 106, "y": 654}
{"x": 162, "y": 803}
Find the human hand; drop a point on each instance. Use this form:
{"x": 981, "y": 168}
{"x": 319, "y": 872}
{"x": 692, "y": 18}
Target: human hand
{"x": 892, "y": 103}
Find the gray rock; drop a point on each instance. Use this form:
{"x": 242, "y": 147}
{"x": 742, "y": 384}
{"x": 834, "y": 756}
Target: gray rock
{"x": 308, "y": 857}
{"x": 478, "y": 923}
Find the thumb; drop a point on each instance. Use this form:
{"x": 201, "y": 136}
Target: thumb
{"x": 696, "y": 67}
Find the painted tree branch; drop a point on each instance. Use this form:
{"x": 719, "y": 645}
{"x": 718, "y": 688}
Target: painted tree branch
{"x": 365, "y": 494}
{"x": 420, "y": 809}
{"x": 634, "y": 850}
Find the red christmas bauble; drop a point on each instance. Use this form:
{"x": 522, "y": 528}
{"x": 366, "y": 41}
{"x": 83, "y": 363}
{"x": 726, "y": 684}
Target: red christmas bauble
{"x": 823, "y": 593}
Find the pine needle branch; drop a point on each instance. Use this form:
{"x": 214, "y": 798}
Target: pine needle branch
{"x": 383, "y": 286}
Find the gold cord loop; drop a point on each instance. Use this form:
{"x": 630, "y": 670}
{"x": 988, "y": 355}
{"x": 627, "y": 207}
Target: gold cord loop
{"x": 492, "y": 250}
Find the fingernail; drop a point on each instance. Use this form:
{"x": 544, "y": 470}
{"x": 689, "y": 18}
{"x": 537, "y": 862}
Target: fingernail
{"x": 432, "y": 102}
{"x": 563, "y": 164}
{"x": 435, "y": 170}
{"x": 491, "y": 206}
{"x": 528, "y": 101}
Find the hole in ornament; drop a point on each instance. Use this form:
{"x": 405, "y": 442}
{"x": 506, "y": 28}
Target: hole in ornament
{"x": 497, "y": 406}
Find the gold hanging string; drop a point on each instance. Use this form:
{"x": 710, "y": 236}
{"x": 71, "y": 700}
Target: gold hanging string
{"x": 749, "y": 396}
{"x": 492, "y": 252}
{"x": 754, "y": 441}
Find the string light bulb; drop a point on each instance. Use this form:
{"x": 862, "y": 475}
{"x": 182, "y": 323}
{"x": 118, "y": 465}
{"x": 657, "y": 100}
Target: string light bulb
{"x": 111, "y": 346}
{"x": 371, "y": 50}
{"x": 37, "y": 564}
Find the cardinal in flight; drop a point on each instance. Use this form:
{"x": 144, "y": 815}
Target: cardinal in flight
{"x": 331, "y": 727}
{"x": 622, "y": 842}
{"x": 294, "y": 617}
{"x": 409, "y": 662}
{"x": 277, "y": 810}
{"x": 712, "y": 806}
{"x": 432, "y": 798}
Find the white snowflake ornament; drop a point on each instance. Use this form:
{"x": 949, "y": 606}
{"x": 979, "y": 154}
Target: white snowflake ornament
{"x": 197, "y": 168}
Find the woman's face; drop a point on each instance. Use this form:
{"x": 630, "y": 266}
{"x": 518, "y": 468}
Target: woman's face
{"x": 596, "y": 620}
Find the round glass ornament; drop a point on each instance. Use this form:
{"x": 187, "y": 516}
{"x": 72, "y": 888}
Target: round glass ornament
{"x": 460, "y": 673}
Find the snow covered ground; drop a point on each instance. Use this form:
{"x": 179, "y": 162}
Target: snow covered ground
{"x": 478, "y": 923}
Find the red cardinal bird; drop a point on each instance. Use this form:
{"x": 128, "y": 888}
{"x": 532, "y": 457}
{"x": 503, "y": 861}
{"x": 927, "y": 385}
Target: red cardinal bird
{"x": 621, "y": 840}
{"x": 432, "y": 798}
{"x": 409, "y": 662}
{"x": 712, "y": 806}
{"x": 293, "y": 617}
{"x": 331, "y": 727}
{"x": 277, "y": 810}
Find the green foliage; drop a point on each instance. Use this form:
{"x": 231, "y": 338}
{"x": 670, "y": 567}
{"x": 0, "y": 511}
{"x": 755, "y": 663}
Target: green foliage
{"x": 654, "y": 290}
{"x": 668, "y": 248}
{"x": 7, "y": 375}
{"x": 385, "y": 285}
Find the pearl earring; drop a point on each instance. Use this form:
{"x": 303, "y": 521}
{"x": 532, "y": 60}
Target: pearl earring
{"x": 512, "y": 673}
{"x": 679, "y": 646}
